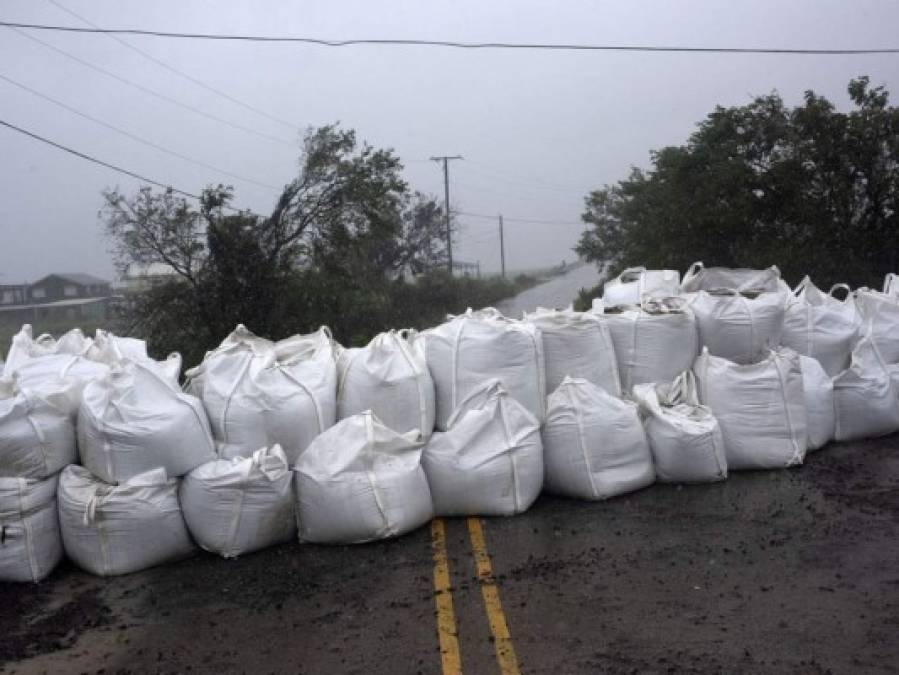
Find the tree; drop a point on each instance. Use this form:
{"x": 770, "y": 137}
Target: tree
{"x": 339, "y": 230}
{"x": 810, "y": 189}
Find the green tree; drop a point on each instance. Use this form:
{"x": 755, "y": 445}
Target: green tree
{"x": 810, "y": 189}
{"x": 337, "y": 237}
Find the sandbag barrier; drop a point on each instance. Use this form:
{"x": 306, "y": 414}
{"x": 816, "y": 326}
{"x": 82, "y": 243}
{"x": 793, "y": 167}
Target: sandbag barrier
{"x": 104, "y": 458}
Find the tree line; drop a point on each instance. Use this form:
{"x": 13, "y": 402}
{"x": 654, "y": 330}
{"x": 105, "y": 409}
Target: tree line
{"x": 809, "y": 188}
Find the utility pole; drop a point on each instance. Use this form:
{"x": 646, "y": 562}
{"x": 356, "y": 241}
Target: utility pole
{"x": 449, "y": 239}
{"x": 502, "y": 247}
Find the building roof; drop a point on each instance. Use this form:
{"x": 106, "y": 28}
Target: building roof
{"x": 156, "y": 269}
{"x": 75, "y": 278}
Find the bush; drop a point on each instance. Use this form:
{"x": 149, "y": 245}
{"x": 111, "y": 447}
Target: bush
{"x": 585, "y": 296}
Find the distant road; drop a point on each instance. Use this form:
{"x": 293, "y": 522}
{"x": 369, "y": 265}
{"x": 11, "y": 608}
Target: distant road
{"x": 559, "y": 292}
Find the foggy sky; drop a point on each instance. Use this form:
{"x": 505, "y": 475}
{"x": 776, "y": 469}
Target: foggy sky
{"x": 538, "y": 130}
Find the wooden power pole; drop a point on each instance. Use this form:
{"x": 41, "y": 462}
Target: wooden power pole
{"x": 502, "y": 247}
{"x": 449, "y": 237}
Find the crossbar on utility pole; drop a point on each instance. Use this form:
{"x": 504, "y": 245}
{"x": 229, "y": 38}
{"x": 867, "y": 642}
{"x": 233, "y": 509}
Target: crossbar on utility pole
{"x": 449, "y": 238}
{"x": 502, "y": 247}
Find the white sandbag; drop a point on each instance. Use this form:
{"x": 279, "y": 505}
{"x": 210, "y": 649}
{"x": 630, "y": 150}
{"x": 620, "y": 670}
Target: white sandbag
{"x": 30, "y": 542}
{"x": 577, "y": 344}
{"x": 390, "y": 377}
{"x": 684, "y": 436}
{"x": 55, "y": 367}
{"x": 25, "y": 347}
{"x": 760, "y": 408}
{"x": 653, "y": 342}
{"x": 636, "y": 283}
{"x": 477, "y": 346}
{"x": 259, "y": 393}
{"x": 819, "y": 325}
{"x": 819, "y": 403}
{"x": 866, "y": 395}
{"x": 891, "y": 285}
{"x": 880, "y": 314}
{"x": 136, "y": 419}
{"x": 360, "y": 481}
{"x": 594, "y": 446}
{"x": 35, "y": 361}
{"x": 37, "y": 428}
{"x": 110, "y": 349}
{"x": 240, "y": 505}
{"x": 702, "y": 278}
{"x": 490, "y": 460}
{"x": 118, "y": 529}
{"x": 738, "y": 326}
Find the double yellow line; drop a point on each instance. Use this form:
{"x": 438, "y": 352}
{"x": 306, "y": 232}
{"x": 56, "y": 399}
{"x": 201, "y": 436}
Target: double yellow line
{"x": 447, "y": 632}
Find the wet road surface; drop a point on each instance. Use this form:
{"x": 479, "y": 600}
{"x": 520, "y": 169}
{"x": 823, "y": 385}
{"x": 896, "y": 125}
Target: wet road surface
{"x": 793, "y": 571}
{"x": 558, "y": 292}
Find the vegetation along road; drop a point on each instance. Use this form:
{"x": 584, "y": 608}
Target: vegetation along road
{"x": 556, "y": 292}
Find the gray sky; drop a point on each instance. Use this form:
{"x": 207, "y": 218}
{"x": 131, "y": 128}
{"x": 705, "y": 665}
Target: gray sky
{"x": 537, "y": 129}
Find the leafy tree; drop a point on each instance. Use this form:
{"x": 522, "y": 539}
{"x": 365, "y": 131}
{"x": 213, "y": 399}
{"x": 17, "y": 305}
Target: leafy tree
{"x": 810, "y": 189}
{"x": 336, "y": 236}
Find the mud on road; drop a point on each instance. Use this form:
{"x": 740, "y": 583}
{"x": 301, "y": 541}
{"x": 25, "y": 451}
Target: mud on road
{"x": 784, "y": 572}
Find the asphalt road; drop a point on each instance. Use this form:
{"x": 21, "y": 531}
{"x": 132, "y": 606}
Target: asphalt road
{"x": 558, "y": 292}
{"x": 793, "y": 571}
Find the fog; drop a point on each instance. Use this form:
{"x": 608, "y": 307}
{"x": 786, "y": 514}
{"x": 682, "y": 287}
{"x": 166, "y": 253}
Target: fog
{"x": 537, "y": 129}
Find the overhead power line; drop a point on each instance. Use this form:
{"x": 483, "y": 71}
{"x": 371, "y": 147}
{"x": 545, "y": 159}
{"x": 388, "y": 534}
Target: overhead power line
{"x": 152, "y": 92}
{"x": 525, "y": 193}
{"x": 548, "y": 46}
{"x": 176, "y": 71}
{"x": 89, "y": 158}
{"x": 527, "y": 221}
{"x": 501, "y": 174}
{"x": 134, "y": 137}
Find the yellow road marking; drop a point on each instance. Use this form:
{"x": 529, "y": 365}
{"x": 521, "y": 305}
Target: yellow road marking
{"x": 502, "y": 640}
{"x": 447, "y": 633}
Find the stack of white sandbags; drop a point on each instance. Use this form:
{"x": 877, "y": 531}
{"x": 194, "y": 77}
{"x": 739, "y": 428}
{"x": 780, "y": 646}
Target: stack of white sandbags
{"x": 361, "y": 481}
{"x": 38, "y": 407}
{"x": 636, "y": 284}
{"x": 37, "y": 440}
{"x": 594, "y": 445}
{"x": 684, "y": 436}
{"x": 258, "y": 393}
{"x": 137, "y": 434}
{"x": 653, "y": 342}
{"x": 474, "y": 347}
{"x": 117, "y": 529}
{"x": 236, "y": 506}
{"x": 819, "y": 325}
{"x": 490, "y": 459}
{"x": 132, "y": 420}
{"x": 390, "y": 377}
{"x": 760, "y": 407}
{"x": 576, "y": 344}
